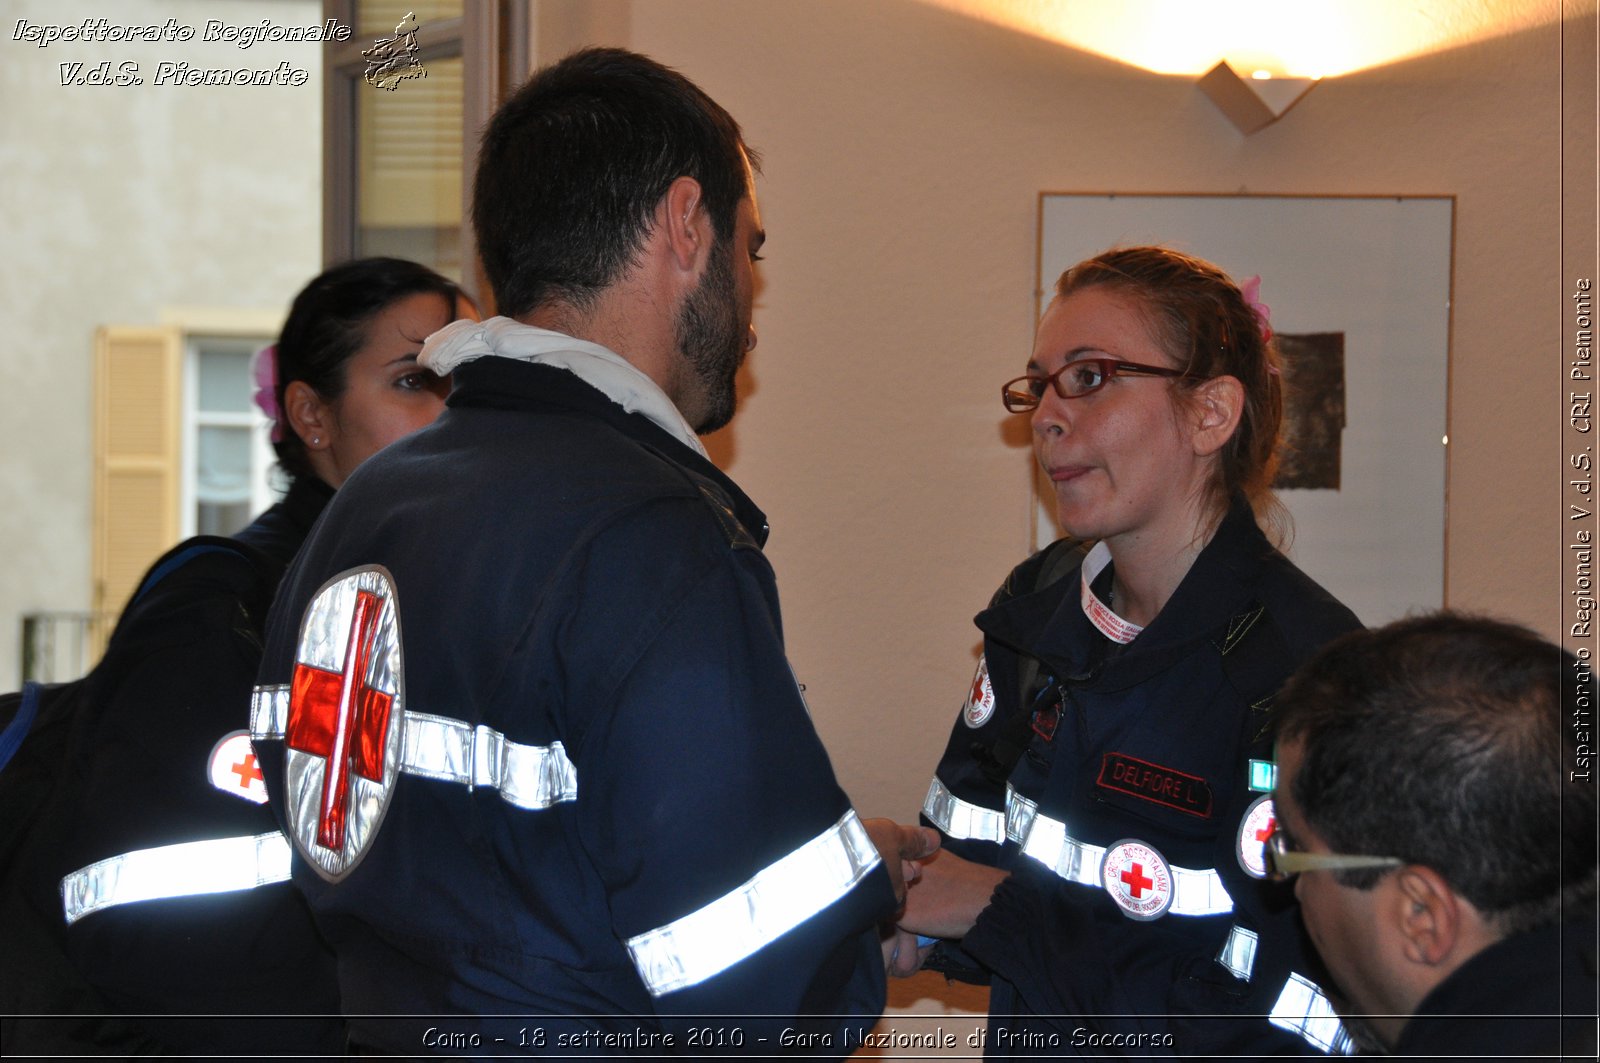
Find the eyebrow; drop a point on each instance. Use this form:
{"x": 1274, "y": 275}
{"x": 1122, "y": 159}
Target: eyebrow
{"x": 1075, "y": 354}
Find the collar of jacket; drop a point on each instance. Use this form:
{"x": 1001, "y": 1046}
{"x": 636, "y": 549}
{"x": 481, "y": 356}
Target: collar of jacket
{"x": 1050, "y": 623}
{"x": 507, "y": 384}
{"x": 602, "y": 368}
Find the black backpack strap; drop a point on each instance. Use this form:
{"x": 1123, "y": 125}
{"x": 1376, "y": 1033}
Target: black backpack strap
{"x": 185, "y": 552}
{"x": 1055, "y": 562}
{"x": 19, "y": 709}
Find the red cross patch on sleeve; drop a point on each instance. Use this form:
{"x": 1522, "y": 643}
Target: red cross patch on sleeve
{"x": 232, "y": 768}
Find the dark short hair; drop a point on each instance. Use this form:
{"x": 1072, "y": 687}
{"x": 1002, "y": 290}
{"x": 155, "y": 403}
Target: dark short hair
{"x": 1448, "y": 741}
{"x": 1203, "y": 321}
{"x": 327, "y": 324}
{"x": 573, "y": 165}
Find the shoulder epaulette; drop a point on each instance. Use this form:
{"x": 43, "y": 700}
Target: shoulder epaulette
{"x": 721, "y": 508}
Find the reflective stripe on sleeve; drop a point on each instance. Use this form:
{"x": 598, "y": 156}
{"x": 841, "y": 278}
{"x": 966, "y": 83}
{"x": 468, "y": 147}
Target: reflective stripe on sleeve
{"x": 962, "y": 819}
{"x": 437, "y": 747}
{"x": 737, "y": 925}
{"x": 1195, "y": 891}
{"x": 1019, "y": 814}
{"x": 1302, "y": 1008}
{"x": 1239, "y": 952}
{"x": 187, "y": 869}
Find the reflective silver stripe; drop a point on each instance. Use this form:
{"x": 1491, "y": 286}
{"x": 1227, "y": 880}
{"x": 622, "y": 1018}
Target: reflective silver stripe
{"x": 526, "y": 776}
{"x": 1302, "y": 1008}
{"x": 438, "y": 747}
{"x": 739, "y": 924}
{"x": 1019, "y": 814}
{"x": 1239, "y": 952}
{"x": 269, "y": 711}
{"x": 1194, "y": 892}
{"x": 186, "y": 869}
{"x": 1048, "y": 842}
{"x": 962, "y": 819}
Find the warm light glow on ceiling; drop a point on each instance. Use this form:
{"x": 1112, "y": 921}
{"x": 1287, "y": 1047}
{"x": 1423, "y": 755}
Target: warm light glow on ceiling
{"x": 1304, "y": 38}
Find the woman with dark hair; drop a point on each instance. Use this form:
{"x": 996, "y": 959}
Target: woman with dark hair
{"x": 1104, "y": 794}
{"x": 173, "y": 879}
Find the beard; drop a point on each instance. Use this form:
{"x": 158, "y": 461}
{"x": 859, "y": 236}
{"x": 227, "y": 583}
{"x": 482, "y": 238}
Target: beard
{"x": 713, "y": 339}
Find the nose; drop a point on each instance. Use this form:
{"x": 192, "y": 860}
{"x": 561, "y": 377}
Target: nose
{"x": 750, "y": 339}
{"x": 1050, "y": 416}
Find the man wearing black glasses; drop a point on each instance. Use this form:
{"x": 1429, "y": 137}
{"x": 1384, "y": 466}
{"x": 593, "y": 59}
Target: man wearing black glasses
{"x": 1434, "y": 804}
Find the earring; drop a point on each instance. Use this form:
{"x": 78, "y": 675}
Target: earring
{"x": 316, "y": 441}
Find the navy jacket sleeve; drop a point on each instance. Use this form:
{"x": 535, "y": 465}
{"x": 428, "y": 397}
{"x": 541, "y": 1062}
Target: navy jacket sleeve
{"x": 739, "y": 876}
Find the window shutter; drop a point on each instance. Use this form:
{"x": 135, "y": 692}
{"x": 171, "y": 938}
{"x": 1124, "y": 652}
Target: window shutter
{"x": 138, "y": 453}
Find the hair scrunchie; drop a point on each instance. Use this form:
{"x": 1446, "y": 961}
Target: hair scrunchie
{"x": 264, "y": 368}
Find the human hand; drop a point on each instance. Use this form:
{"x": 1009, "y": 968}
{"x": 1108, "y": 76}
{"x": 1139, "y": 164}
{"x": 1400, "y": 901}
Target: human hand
{"x": 901, "y": 847}
{"x": 903, "y": 956}
{"x": 951, "y": 893}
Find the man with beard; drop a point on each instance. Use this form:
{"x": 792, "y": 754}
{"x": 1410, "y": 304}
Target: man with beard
{"x": 525, "y": 710}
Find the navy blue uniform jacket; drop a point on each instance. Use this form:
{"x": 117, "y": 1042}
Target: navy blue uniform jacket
{"x": 582, "y": 601}
{"x": 1153, "y": 743}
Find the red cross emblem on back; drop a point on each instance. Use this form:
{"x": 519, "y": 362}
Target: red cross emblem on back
{"x": 338, "y": 716}
{"x": 345, "y": 729}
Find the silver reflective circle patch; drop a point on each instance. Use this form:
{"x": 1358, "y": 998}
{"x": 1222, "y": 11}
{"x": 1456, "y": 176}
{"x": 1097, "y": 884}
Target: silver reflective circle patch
{"x": 346, "y": 720}
{"x": 1138, "y": 879}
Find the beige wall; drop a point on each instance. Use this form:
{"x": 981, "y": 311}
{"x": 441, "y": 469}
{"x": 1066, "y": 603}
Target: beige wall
{"x": 905, "y": 148}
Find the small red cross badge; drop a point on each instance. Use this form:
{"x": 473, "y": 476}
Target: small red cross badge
{"x": 344, "y": 728}
{"x": 980, "y": 699}
{"x": 233, "y": 769}
{"x": 1257, "y": 825}
{"x": 248, "y": 770}
{"x": 1137, "y": 878}
{"x": 338, "y": 716}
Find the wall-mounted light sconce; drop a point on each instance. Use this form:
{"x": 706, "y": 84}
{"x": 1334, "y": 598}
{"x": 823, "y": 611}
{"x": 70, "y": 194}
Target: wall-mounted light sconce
{"x": 1254, "y": 102}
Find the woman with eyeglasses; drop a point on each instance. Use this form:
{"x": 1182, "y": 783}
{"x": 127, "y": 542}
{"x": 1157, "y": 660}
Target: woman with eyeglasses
{"x": 1104, "y": 796}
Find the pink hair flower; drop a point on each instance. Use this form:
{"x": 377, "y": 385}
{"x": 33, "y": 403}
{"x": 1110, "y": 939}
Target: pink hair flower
{"x": 1251, "y": 290}
{"x": 264, "y": 368}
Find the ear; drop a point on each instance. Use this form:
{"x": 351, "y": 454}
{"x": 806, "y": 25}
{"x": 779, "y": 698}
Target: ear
{"x": 1217, "y": 405}
{"x": 1429, "y": 915}
{"x": 309, "y": 416}
{"x": 682, "y": 221}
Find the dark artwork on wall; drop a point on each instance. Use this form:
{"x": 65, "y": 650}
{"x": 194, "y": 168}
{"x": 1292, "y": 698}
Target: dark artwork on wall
{"x": 1313, "y": 377}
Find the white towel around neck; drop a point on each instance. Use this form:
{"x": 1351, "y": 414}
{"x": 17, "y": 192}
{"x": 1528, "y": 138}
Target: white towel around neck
{"x": 601, "y": 368}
